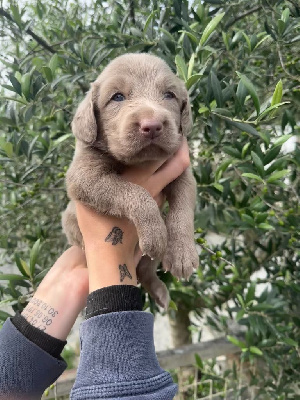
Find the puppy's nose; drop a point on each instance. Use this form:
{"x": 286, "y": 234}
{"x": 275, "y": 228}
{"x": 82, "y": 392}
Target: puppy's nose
{"x": 151, "y": 128}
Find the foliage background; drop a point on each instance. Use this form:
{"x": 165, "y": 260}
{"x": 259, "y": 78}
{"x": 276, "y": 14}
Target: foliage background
{"x": 240, "y": 62}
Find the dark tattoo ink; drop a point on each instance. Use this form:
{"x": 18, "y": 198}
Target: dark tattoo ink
{"x": 124, "y": 272}
{"x": 115, "y": 236}
{"x": 39, "y": 314}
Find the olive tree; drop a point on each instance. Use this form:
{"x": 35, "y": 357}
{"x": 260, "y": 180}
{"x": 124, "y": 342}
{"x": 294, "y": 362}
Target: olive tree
{"x": 240, "y": 63}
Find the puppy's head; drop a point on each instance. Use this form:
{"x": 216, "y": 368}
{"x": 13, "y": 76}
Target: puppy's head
{"x": 136, "y": 110}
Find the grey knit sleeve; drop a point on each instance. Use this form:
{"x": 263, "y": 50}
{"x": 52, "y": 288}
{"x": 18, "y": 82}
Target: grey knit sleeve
{"x": 118, "y": 360}
{"x": 25, "y": 369}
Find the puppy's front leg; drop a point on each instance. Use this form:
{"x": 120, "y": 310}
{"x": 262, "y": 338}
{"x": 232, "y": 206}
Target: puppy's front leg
{"x": 111, "y": 195}
{"x": 181, "y": 256}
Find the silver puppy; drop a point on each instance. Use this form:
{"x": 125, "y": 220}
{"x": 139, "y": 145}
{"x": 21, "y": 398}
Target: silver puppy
{"x": 137, "y": 110}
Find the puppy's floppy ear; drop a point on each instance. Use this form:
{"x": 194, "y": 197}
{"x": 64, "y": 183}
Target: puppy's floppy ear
{"x": 186, "y": 121}
{"x": 84, "y": 124}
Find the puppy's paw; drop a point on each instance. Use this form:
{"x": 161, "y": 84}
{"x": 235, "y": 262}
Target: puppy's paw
{"x": 160, "y": 294}
{"x": 153, "y": 240}
{"x": 181, "y": 258}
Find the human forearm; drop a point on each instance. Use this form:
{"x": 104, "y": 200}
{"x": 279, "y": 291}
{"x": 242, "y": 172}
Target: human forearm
{"x": 61, "y": 295}
{"x": 110, "y": 245}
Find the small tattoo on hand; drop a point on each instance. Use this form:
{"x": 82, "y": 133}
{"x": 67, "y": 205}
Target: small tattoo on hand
{"x": 115, "y": 236}
{"x": 124, "y": 272}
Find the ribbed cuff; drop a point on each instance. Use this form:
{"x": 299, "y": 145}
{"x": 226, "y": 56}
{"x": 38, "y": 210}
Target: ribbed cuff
{"x": 113, "y": 299}
{"x": 50, "y": 344}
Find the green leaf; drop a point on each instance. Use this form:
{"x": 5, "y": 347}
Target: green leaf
{"x": 245, "y": 148}
{"x": 225, "y": 37}
{"x": 210, "y": 27}
{"x": 16, "y": 14}
{"x": 244, "y": 127}
{"x": 16, "y": 84}
{"x": 53, "y": 63}
{"x": 262, "y": 41}
{"x": 203, "y": 110}
{"x": 252, "y": 176}
{"x": 4, "y": 315}
{"x": 218, "y": 187}
{"x": 7, "y": 147}
{"x": 271, "y": 154}
{"x": 192, "y": 80}
{"x": 258, "y": 163}
{"x": 61, "y": 139}
{"x": 172, "y": 305}
{"x": 181, "y": 67}
{"x": 265, "y": 137}
{"x": 233, "y": 152}
{"x": 241, "y": 94}
{"x": 22, "y": 266}
{"x": 168, "y": 34}
{"x": 241, "y": 300}
{"x": 25, "y": 266}
{"x": 250, "y": 293}
{"x": 255, "y": 350}
{"x": 191, "y": 36}
{"x": 149, "y": 19}
{"x": 277, "y": 95}
{"x": 251, "y": 91}
{"x": 278, "y": 175}
{"x": 41, "y": 275}
{"x": 282, "y": 139}
{"x": 223, "y": 167}
{"x": 285, "y": 15}
{"x": 34, "y": 255}
{"x": 266, "y": 226}
{"x": 269, "y": 109}
{"x": 240, "y": 314}
{"x": 236, "y": 342}
{"x": 290, "y": 342}
{"x": 191, "y": 66}
{"x": 247, "y": 40}
{"x": 25, "y": 84}
{"x": 47, "y": 73}
{"x": 198, "y": 361}
{"x": 12, "y": 277}
{"x": 216, "y": 88}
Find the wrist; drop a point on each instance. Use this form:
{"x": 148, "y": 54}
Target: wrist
{"x": 54, "y": 311}
{"x": 110, "y": 253}
{"x": 108, "y": 266}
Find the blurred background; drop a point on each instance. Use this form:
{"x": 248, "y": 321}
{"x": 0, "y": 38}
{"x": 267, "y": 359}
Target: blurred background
{"x": 232, "y": 330}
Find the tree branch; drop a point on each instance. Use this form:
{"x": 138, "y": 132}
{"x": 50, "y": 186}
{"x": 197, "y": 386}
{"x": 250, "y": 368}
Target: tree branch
{"x": 132, "y": 11}
{"x": 37, "y": 38}
{"x": 283, "y": 65}
{"x": 241, "y": 16}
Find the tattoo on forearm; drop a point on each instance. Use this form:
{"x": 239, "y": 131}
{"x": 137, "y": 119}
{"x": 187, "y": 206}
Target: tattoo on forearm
{"x": 124, "y": 272}
{"x": 115, "y": 236}
{"x": 39, "y": 314}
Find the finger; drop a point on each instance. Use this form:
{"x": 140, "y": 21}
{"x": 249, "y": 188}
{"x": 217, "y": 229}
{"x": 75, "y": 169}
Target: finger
{"x": 172, "y": 168}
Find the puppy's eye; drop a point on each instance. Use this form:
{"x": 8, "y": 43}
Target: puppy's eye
{"x": 169, "y": 95}
{"x": 118, "y": 97}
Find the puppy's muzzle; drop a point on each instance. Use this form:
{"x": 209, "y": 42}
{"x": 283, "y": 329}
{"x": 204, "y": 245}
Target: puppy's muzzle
{"x": 151, "y": 128}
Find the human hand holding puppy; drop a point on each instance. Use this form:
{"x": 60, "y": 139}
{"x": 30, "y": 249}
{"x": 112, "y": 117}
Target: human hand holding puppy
{"x": 103, "y": 256}
{"x": 111, "y": 243}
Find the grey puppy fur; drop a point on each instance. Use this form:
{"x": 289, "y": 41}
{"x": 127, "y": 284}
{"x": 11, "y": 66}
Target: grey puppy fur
{"x": 137, "y": 110}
